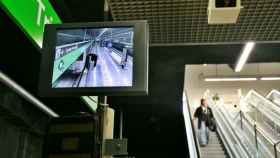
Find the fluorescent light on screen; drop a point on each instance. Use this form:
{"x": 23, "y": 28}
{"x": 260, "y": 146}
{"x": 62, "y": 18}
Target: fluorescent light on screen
{"x": 244, "y": 56}
{"x": 229, "y": 79}
{"x": 269, "y": 78}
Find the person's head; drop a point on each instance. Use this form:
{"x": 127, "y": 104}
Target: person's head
{"x": 203, "y": 102}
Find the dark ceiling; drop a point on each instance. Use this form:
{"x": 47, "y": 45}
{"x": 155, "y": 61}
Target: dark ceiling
{"x": 154, "y": 123}
{"x": 185, "y": 21}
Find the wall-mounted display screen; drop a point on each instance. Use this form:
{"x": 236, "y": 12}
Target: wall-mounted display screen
{"x": 93, "y": 57}
{"x": 100, "y": 58}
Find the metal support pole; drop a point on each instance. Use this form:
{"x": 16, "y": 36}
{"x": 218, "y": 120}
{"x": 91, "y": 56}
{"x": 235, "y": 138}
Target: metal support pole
{"x": 241, "y": 119}
{"x": 256, "y": 136}
{"x": 101, "y": 106}
{"x": 275, "y": 149}
{"x": 100, "y": 132}
{"x": 102, "y": 101}
{"x": 101, "y": 110}
{"x": 121, "y": 124}
{"x": 106, "y": 10}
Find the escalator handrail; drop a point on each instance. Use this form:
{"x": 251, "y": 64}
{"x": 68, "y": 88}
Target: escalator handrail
{"x": 193, "y": 129}
{"x": 252, "y": 124}
{"x": 227, "y": 121}
{"x": 6, "y": 80}
{"x": 232, "y": 139}
{"x": 274, "y": 107}
{"x": 263, "y": 134}
{"x": 260, "y": 130}
{"x": 222, "y": 112}
{"x": 272, "y": 92}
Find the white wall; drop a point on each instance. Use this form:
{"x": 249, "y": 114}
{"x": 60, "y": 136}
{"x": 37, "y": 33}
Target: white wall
{"x": 195, "y": 86}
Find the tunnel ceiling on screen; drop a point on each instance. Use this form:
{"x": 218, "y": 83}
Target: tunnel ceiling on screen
{"x": 185, "y": 21}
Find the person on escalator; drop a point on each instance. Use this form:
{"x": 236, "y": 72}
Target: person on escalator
{"x": 204, "y": 116}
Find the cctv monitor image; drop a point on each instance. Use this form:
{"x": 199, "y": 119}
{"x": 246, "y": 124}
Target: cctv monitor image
{"x": 93, "y": 57}
{"x": 100, "y": 58}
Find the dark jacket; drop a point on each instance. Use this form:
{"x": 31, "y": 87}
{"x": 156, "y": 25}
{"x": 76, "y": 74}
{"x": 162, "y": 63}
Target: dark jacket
{"x": 202, "y": 116}
{"x": 91, "y": 58}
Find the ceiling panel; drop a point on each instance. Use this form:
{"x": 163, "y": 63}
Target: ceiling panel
{"x": 185, "y": 21}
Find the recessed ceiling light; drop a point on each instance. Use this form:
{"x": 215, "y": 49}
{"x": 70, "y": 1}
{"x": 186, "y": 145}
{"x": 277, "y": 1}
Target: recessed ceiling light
{"x": 244, "y": 56}
{"x": 269, "y": 78}
{"x": 230, "y": 79}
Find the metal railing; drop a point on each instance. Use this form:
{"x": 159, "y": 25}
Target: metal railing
{"x": 227, "y": 131}
{"x": 263, "y": 112}
{"x": 6, "y": 80}
{"x": 193, "y": 145}
{"x": 264, "y": 146}
{"x": 264, "y": 104}
{"x": 243, "y": 136}
{"x": 274, "y": 96}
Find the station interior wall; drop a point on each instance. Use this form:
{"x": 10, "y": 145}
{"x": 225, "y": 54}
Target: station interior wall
{"x": 195, "y": 86}
{"x": 22, "y": 126}
{"x": 153, "y": 124}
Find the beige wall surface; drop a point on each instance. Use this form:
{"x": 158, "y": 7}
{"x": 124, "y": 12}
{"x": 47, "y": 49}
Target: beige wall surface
{"x": 195, "y": 86}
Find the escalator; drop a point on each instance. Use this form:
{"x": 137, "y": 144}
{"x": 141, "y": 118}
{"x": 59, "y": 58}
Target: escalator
{"x": 274, "y": 96}
{"x": 215, "y": 148}
{"x": 252, "y": 132}
{"x": 227, "y": 130}
{"x": 263, "y": 112}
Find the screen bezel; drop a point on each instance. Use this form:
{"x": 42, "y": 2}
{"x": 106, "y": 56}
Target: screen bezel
{"x": 140, "y": 61}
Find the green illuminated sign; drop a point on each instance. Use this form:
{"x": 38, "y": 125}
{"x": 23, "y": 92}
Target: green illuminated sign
{"x": 31, "y": 16}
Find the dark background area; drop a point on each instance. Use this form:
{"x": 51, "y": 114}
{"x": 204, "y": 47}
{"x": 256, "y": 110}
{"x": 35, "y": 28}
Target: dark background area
{"x": 153, "y": 124}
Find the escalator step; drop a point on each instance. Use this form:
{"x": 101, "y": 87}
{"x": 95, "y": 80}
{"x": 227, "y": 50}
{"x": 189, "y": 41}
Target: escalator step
{"x": 214, "y": 149}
